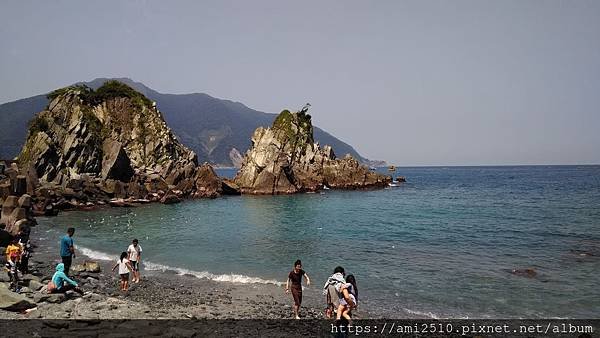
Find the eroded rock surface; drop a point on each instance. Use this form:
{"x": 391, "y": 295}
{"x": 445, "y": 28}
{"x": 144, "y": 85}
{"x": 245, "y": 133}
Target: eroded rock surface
{"x": 109, "y": 146}
{"x": 284, "y": 159}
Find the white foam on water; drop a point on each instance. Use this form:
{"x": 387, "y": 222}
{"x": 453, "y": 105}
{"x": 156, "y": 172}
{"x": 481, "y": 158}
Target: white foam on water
{"x": 231, "y": 278}
{"x": 422, "y": 314}
{"x": 93, "y": 254}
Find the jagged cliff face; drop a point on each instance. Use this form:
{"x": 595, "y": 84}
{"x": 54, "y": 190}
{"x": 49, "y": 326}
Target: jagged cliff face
{"x": 111, "y": 138}
{"x": 284, "y": 159}
{"x": 107, "y": 146}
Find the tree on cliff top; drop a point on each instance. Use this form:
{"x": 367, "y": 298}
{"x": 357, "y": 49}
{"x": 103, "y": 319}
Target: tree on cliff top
{"x": 109, "y": 90}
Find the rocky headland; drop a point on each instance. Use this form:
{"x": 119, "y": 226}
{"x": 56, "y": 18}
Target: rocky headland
{"x": 109, "y": 146}
{"x": 284, "y": 159}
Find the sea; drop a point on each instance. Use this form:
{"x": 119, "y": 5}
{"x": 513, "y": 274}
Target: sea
{"x": 445, "y": 244}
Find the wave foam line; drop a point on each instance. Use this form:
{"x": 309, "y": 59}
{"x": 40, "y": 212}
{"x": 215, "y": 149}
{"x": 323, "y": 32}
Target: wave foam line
{"x": 231, "y": 278}
{"x": 422, "y": 314}
{"x": 93, "y": 254}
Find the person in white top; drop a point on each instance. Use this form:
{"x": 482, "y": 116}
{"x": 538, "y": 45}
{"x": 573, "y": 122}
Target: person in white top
{"x": 134, "y": 255}
{"x": 124, "y": 268}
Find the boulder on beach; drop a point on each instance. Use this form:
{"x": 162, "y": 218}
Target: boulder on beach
{"x": 11, "y": 301}
{"x": 77, "y": 268}
{"x": 91, "y": 266}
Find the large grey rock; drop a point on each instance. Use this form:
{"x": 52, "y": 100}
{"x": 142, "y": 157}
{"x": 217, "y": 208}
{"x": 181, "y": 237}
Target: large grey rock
{"x": 4, "y": 278}
{"x": 11, "y": 301}
{"x": 56, "y": 298}
{"x": 40, "y": 296}
{"x": 29, "y": 277}
{"x": 35, "y": 285}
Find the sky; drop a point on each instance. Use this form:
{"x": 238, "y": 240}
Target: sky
{"x": 409, "y": 82}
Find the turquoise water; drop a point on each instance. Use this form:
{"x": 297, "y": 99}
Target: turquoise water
{"x": 441, "y": 245}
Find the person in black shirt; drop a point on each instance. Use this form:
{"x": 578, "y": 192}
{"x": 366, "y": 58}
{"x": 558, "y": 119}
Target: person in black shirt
{"x": 295, "y": 277}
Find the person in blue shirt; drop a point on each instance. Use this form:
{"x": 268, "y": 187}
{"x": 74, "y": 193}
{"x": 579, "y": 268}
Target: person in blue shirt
{"x": 62, "y": 283}
{"x": 67, "y": 250}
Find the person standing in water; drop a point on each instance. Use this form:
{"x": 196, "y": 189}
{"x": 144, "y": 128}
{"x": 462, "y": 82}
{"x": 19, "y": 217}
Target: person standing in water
{"x": 295, "y": 277}
{"x": 134, "y": 252}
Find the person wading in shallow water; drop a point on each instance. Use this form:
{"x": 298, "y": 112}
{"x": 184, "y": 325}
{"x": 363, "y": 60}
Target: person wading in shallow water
{"x": 67, "y": 250}
{"x": 295, "y": 277}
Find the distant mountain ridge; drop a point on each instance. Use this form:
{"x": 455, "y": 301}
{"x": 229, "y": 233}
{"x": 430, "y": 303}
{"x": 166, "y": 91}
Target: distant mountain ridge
{"x": 218, "y": 130}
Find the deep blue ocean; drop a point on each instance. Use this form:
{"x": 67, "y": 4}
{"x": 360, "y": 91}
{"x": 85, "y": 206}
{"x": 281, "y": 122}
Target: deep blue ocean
{"x": 440, "y": 245}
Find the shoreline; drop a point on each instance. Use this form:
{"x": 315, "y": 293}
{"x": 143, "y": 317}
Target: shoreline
{"x": 160, "y": 294}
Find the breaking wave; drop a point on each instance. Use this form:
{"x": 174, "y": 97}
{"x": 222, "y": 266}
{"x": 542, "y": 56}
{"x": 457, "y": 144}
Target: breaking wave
{"x": 147, "y": 265}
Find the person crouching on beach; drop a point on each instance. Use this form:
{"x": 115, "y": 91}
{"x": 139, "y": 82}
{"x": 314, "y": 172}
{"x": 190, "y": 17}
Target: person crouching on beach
{"x": 60, "y": 283}
{"x": 295, "y": 276}
{"x": 348, "y": 301}
{"x": 134, "y": 252}
{"x": 124, "y": 269}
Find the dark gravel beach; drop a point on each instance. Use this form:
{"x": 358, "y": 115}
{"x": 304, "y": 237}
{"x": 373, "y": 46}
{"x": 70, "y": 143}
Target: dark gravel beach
{"x": 160, "y": 295}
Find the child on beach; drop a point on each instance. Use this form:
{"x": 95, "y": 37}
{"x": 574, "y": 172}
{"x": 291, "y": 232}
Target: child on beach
{"x": 348, "y": 301}
{"x": 124, "y": 269}
{"x": 13, "y": 258}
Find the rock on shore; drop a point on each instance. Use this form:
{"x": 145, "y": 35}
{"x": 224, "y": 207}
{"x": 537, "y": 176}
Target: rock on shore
{"x": 95, "y": 146}
{"x": 284, "y": 159}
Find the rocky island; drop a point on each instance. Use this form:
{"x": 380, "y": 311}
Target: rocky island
{"x": 284, "y": 159}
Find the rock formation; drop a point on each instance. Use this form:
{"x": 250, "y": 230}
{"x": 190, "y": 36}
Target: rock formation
{"x": 16, "y": 205}
{"x": 284, "y": 159}
{"x": 108, "y": 146}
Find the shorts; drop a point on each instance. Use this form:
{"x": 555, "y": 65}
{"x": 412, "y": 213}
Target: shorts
{"x": 135, "y": 265}
{"x": 297, "y": 294}
{"x": 124, "y": 276}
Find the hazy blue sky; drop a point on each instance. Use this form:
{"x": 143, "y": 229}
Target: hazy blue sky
{"x": 411, "y": 82}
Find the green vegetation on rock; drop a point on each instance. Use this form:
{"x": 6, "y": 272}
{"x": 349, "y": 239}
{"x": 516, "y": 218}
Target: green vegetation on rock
{"x": 109, "y": 90}
{"x": 113, "y": 89}
{"x": 294, "y": 125}
{"x": 94, "y": 126}
{"x": 37, "y": 124}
